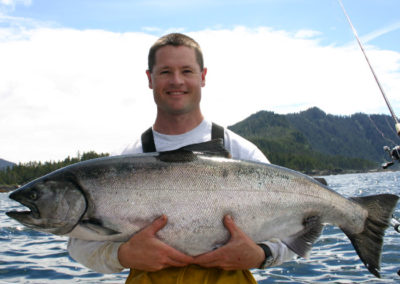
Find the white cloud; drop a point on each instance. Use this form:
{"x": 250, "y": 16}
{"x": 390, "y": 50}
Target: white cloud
{"x": 151, "y": 29}
{"x": 304, "y": 34}
{"x": 65, "y": 90}
{"x": 7, "y": 6}
{"x": 15, "y": 2}
{"x": 266, "y": 69}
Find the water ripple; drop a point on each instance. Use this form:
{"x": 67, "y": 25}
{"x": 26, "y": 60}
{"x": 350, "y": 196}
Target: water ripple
{"x": 32, "y": 257}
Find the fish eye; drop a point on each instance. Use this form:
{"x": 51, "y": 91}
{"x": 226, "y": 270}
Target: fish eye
{"x": 33, "y": 195}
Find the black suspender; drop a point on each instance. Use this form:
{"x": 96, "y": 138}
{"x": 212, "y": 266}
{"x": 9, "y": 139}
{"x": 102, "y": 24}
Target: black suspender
{"x": 148, "y": 145}
{"x": 217, "y": 132}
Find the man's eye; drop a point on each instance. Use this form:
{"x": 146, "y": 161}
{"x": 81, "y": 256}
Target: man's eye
{"x": 187, "y": 71}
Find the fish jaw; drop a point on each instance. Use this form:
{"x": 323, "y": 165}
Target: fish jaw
{"x": 54, "y": 206}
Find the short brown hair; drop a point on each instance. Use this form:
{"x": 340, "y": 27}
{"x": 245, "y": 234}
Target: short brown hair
{"x": 175, "y": 39}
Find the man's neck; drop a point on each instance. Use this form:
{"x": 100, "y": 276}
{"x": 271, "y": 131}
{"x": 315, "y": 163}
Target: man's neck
{"x": 177, "y": 124}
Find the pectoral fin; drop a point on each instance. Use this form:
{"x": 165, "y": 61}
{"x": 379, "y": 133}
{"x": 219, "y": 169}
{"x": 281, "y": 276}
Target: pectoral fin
{"x": 97, "y": 228}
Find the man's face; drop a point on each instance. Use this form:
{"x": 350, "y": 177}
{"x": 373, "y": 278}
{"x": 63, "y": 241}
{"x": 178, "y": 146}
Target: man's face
{"x": 176, "y": 80}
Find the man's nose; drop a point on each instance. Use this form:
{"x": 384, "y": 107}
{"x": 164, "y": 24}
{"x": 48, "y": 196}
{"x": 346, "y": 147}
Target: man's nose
{"x": 176, "y": 78}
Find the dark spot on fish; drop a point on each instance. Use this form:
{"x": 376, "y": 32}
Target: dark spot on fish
{"x": 125, "y": 167}
{"x": 283, "y": 176}
{"x": 225, "y": 173}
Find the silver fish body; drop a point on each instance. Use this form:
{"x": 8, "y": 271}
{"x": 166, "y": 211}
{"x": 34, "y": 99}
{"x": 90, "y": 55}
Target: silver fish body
{"x": 113, "y": 198}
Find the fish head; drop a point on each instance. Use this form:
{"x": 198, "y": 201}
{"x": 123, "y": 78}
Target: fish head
{"x": 55, "y": 206}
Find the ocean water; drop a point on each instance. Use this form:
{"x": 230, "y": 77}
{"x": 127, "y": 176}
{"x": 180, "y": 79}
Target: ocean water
{"x": 27, "y": 256}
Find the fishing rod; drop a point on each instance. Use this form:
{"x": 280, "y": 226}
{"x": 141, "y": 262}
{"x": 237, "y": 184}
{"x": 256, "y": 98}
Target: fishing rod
{"x": 395, "y": 223}
{"x": 397, "y": 124}
{"x": 394, "y": 153}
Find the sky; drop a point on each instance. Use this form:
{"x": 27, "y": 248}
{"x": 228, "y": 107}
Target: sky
{"x": 72, "y": 73}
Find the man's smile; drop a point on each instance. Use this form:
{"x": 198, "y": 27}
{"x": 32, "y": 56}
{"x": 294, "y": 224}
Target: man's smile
{"x": 176, "y": 93}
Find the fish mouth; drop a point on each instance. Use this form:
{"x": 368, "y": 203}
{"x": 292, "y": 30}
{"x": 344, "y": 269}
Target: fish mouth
{"x": 18, "y": 215}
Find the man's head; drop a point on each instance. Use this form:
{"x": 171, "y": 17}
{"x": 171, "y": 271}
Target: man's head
{"x": 176, "y": 76}
{"x": 175, "y": 39}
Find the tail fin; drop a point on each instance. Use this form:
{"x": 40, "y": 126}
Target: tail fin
{"x": 368, "y": 244}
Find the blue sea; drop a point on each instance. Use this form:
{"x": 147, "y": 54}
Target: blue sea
{"x": 28, "y": 256}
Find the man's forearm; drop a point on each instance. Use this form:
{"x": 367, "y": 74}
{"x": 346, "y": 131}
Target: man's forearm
{"x": 98, "y": 256}
{"x": 280, "y": 252}
{"x": 103, "y": 256}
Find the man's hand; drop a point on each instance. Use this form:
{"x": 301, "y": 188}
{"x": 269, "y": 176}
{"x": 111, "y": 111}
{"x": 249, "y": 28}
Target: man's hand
{"x": 240, "y": 252}
{"x": 144, "y": 251}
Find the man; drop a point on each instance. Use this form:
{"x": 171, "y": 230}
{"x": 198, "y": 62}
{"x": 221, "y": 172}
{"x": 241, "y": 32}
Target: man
{"x": 176, "y": 75}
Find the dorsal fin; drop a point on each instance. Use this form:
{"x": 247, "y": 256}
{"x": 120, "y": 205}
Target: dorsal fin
{"x": 188, "y": 153}
{"x": 211, "y": 148}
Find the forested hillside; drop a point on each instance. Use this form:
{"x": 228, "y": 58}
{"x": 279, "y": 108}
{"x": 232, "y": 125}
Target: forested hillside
{"x": 312, "y": 141}
{"x": 358, "y": 135}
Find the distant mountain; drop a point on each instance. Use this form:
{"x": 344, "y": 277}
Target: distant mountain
{"x": 358, "y": 135}
{"x": 4, "y": 164}
{"x": 313, "y": 139}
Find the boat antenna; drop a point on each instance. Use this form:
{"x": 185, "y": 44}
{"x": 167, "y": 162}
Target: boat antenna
{"x": 397, "y": 124}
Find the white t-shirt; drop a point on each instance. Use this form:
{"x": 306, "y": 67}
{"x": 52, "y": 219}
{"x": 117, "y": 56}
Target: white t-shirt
{"x": 239, "y": 147}
{"x": 103, "y": 256}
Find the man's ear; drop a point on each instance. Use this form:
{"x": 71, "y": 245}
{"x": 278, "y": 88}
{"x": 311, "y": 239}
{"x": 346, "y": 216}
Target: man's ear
{"x": 203, "y": 77}
{"x": 148, "y": 73}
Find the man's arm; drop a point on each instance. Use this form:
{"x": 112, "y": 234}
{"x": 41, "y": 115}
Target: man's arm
{"x": 143, "y": 251}
{"x": 98, "y": 256}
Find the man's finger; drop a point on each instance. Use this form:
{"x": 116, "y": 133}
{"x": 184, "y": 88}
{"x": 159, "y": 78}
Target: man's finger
{"x": 157, "y": 224}
{"x": 178, "y": 256}
{"x": 230, "y": 225}
{"x": 209, "y": 258}
{"x": 206, "y": 260}
{"x": 173, "y": 262}
{"x": 214, "y": 263}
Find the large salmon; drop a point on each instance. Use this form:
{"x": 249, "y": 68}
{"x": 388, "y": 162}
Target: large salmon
{"x": 112, "y": 198}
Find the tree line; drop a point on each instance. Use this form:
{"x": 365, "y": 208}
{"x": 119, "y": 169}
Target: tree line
{"x": 24, "y": 172}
